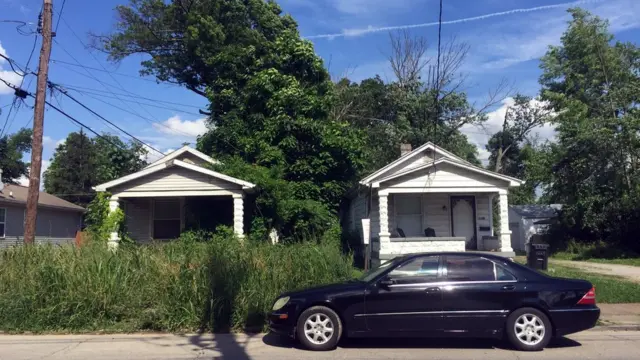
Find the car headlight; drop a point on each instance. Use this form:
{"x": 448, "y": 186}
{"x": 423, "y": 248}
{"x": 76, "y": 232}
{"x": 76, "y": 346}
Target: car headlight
{"x": 280, "y": 303}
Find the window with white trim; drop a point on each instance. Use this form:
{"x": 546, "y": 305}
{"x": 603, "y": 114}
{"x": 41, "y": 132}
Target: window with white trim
{"x": 166, "y": 218}
{"x": 3, "y": 222}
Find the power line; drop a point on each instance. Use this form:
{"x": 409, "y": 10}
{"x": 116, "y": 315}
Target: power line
{"x": 114, "y": 94}
{"x": 115, "y": 73}
{"x": 60, "y": 15}
{"x": 78, "y": 122}
{"x": 64, "y": 92}
{"x": 83, "y": 89}
{"x": 102, "y": 66}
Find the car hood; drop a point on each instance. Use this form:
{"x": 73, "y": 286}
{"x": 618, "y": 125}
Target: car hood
{"x": 328, "y": 290}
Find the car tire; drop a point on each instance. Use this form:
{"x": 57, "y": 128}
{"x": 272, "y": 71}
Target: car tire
{"x": 529, "y": 329}
{"x": 319, "y": 328}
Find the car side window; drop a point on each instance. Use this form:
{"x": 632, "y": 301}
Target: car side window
{"x": 467, "y": 268}
{"x": 419, "y": 270}
{"x": 503, "y": 274}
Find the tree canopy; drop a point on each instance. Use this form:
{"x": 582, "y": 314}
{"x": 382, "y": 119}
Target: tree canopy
{"x": 80, "y": 163}
{"x": 269, "y": 94}
{"x": 592, "y": 83}
{"x": 12, "y": 149}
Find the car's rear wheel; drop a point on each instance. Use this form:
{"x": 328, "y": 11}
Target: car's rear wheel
{"x": 319, "y": 328}
{"x": 529, "y": 329}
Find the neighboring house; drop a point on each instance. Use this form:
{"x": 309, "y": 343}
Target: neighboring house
{"x": 528, "y": 220}
{"x": 431, "y": 200}
{"x": 57, "y": 222}
{"x": 175, "y": 193}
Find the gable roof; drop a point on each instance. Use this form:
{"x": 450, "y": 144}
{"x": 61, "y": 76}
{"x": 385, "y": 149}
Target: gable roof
{"x": 17, "y": 194}
{"x": 167, "y": 164}
{"x": 512, "y": 181}
{"x": 185, "y": 149}
{"x": 447, "y": 157}
{"x": 535, "y": 211}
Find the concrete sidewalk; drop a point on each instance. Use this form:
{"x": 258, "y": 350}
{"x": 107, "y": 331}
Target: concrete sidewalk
{"x": 628, "y": 272}
{"x": 620, "y": 315}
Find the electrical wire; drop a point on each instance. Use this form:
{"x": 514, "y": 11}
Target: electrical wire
{"x": 60, "y": 15}
{"x": 135, "y": 113}
{"x": 104, "y": 68}
{"x": 99, "y": 92}
{"x": 115, "y": 73}
{"x": 78, "y": 122}
{"x": 65, "y": 93}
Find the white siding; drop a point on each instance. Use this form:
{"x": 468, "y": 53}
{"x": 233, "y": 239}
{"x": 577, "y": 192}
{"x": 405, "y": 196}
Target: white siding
{"x": 408, "y": 247}
{"x": 437, "y": 218}
{"x": 137, "y": 219}
{"x": 418, "y": 160}
{"x": 192, "y": 159}
{"x": 445, "y": 175}
{"x": 175, "y": 178}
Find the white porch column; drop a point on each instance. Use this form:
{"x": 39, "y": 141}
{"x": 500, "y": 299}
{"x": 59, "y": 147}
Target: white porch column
{"x": 505, "y": 233}
{"x": 238, "y": 215}
{"x": 493, "y": 231}
{"x": 383, "y": 212}
{"x": 114, "y": 238}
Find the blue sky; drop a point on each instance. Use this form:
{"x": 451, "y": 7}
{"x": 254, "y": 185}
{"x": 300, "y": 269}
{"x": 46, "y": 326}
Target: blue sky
{"x": 506, "y": 40}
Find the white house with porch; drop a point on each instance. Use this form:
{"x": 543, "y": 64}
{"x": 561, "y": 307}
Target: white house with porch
{"x": 432, "y": 200}
{"x": 155, "y": 199}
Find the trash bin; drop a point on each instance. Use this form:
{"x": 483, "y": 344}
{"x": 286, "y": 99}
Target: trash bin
{"x": 538, "y": 257}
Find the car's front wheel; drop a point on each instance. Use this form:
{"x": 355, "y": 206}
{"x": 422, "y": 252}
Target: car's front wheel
{"x": 319, "y": 328}
{"x": 529, "y": 329}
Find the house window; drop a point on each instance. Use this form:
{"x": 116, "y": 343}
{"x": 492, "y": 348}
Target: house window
{"x": 3, "y": 221}
{"x": 166, "y": 218}
{"x": 408, "y": 209}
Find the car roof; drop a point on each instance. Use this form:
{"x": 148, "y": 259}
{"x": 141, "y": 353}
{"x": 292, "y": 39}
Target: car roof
{"x": 456, "y": 253}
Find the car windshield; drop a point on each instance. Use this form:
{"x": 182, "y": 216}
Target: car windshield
{"x": 373, "y": 273}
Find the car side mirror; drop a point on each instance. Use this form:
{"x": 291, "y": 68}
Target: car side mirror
{"x": 386, "y": 282}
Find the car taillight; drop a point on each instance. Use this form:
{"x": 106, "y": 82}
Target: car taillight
{"x": 589, "y": 298}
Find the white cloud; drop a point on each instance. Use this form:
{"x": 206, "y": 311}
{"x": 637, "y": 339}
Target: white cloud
{"x": 511, "y": 42}
{"x": 7, "y": 74}
{"x": 479, "y": 136}
{"x": 176, "y": 126}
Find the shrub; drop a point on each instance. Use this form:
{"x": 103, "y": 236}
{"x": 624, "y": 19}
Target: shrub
{"x": 200, "y": 282}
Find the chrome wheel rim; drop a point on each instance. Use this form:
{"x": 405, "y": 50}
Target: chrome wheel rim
{"x": 318, "y": 328}
{"x": 529, "y": 329}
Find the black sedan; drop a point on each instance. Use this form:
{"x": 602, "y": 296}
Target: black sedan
{"x": 436, "y": 295}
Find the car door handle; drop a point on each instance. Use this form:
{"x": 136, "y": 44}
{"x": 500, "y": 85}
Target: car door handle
{"x": 432, "y": 290}
{"x": 508, "y": 287}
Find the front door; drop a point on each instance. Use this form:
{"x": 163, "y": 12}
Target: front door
{"x": 478, "y": 296}
{"x": 411, "y": 303}
{"x": 463, "y": 216}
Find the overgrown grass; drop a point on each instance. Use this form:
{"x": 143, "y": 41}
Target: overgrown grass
{"x": 219, "y": 284}
{"x": 598, "y": 252}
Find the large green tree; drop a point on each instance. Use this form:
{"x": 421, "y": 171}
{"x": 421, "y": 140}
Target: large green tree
{"x": 593, "y": 83}
{"x": 269, "y": 96}
{"x": 12, "y": 149}
{"x": 81, "y": 162}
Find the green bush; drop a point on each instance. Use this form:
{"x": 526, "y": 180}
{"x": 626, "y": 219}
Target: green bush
{"x": 200, "y": 282}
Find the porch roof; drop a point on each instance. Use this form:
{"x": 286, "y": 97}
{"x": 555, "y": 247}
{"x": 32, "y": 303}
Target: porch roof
{"x": 173, "y": 163}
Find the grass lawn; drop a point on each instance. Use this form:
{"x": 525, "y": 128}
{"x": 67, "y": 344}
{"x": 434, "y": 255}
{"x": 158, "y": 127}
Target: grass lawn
{"x": 609, "y": 289}
{"x": 634, "y": 261}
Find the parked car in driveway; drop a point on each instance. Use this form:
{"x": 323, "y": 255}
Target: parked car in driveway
{"x": 440, "y": 295}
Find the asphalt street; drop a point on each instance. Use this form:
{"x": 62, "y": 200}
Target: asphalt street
{"x": 595, "y": 344}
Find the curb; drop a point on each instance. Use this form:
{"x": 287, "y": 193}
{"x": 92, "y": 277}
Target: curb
{"x": 617, "y": 328}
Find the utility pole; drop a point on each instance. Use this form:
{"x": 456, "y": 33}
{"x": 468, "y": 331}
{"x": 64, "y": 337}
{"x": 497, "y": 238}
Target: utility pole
{"x": 38, "y": 124}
